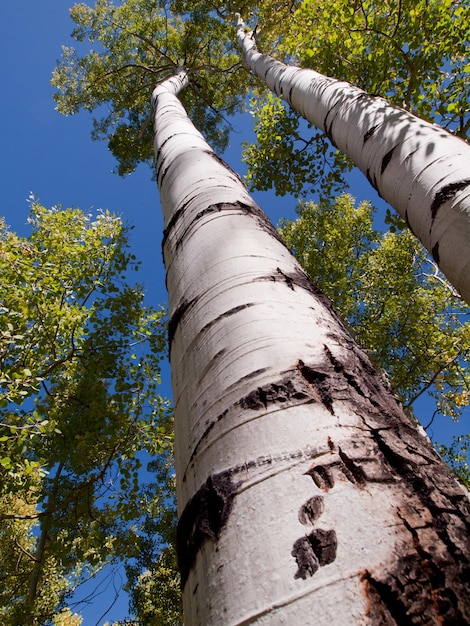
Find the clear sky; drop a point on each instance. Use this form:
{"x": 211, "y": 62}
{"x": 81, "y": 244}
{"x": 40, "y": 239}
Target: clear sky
{"x": 54, "y": 157}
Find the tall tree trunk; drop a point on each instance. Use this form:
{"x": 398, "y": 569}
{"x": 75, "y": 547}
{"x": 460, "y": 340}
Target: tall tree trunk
{"x": 304, "y": 492}
{"x": 420, "y": 169}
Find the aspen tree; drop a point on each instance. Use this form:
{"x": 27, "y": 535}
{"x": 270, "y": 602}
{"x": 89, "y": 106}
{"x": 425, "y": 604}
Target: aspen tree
{"x": 305, "y": 494}
{"x": 419, "y": 168}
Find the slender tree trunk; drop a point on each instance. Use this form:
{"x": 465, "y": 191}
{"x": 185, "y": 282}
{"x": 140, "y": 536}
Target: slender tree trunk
{"x": 305, "y": 494}
{"x": 39, "y": 558}
{"x": 421, "y": 170}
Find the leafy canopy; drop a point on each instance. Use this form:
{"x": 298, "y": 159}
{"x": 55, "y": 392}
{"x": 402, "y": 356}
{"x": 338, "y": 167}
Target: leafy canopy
{"x": 134, "y": 45}
{"x": 79, "y": 378}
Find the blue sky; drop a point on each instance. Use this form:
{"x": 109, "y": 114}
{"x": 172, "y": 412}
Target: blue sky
{"x": 54, "y": 158}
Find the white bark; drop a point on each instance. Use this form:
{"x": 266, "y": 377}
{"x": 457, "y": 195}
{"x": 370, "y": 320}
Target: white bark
{"x": 289, "y": 451}
{"x": 420, "y": 169}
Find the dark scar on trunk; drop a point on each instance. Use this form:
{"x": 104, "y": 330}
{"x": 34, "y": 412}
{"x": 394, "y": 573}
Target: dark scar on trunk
{"x": 370, "y": 132}
{"x": 320, "y": 383}
{"x": 435, "y": 252}
{"x": 176, "y": 318}
{"x": 313, "y": 551}
{"x": 203, "y": 519}
{"x": 311, "y": 510}
{"x": 281, "y": 392}
{"x": 353, "y": 472}
{"x": 446, "y": 193}
{"x": 386, "y": 159}
{"x": 321, "y": 476}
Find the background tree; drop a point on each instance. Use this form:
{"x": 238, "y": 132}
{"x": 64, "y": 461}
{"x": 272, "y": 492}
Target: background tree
{"x": 421, "y": 170}
{"x": 412, "y": 52}
{"x": 79, "y": 364}
{"x": 154, "y": 583}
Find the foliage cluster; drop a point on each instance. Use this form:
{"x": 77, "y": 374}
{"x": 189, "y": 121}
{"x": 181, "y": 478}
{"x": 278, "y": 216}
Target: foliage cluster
{"x": 79, "y": 377}
{"x": 136, "y": 44}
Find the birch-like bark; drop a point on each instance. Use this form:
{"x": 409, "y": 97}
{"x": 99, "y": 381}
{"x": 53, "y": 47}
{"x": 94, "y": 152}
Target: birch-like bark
{"x": 304, "y": 493}
{"x": 420, "y": 169}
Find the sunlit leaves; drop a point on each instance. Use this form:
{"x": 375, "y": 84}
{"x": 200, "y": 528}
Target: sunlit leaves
{"x": 79, "y": 375}
{"x": 414, "y": 52}
{"x": 134, "y": 45}
{"x": 456, "y": 456}
{"x": 401, "y": 309}
{"x": 288, "y": 155}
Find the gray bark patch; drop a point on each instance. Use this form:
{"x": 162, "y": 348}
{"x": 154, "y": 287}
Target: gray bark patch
{"x": 203, "y": 519}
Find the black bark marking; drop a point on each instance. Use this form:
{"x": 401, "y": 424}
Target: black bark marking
{"x": 208, "y": 429}
{"x": 224, "y": 165}
{"x": 370, "y": 132}
{"x": 329, "y": 127}
{"x": 321, "y": 385}
{"x": 311, "y": 510}
{"x": 228, "y": 313}
{"x": 274, "y": 393}
{"x": 321, "y": 476}
{"x": 219, "y": 207}
{"x": 353, "y": 472}
{"x": 171, "y": 224}
{"x": 446, "y": 193}
{"x": 299, "y": 279}
{"x": 386, "y": 159}
{"x": 383, "y": 607}
{"x": 203, "y": 519}
{"x": 176, "y": 318}
{"x": 315, "y": 550}
{"x": 157, "y": 159}
{"x": 307, "y": 561}
{"x": 253, "y": 374}
{"x": 324, "y": 544}
{"x": 357, "y": 385}
{"x": 371, "y": 180}
{"x": 435, "y": 252}
{"x": 289, "y": 280}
